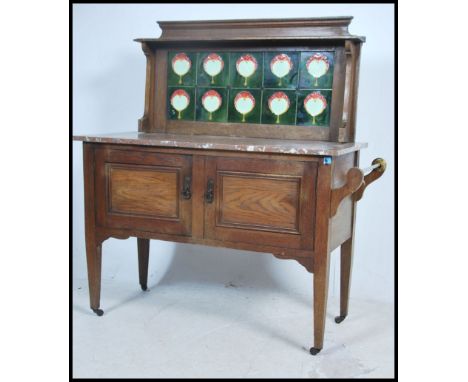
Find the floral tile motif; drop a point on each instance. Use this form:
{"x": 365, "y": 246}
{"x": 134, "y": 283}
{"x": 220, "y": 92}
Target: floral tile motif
{"x": 181, "y": 103}
{"x": 213, "y": 69}
{"x": 181, "y": 69}
{"x": 280, "y": 87}
{"x": 211, "y": 104}
{"x": 316, "y": 70}
{"x": 245, "y": 105}
{"x": 280, "y": 70}
{"x": 246, "y": 70}
{"x": 313, "y": 107}
{"x": 279, "y": 107}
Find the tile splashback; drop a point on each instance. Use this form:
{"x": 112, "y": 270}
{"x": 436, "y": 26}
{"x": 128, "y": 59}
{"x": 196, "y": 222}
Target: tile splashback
{"x": 281, "y": 87}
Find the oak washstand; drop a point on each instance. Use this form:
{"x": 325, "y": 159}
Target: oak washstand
{"x": 247, "y": 141}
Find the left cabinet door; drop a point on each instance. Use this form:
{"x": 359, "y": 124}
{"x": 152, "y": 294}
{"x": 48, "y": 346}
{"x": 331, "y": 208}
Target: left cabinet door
{"x": 143, "y": 190}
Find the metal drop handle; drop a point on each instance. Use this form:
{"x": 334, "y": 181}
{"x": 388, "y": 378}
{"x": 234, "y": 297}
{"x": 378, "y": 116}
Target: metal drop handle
{"x": 186, "y": 192}
{"x": 209, "y": 194}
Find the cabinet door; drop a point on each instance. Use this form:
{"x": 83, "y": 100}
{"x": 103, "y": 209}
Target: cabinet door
{"x": 143, "y": 191}
{"x": 266, "y": 202}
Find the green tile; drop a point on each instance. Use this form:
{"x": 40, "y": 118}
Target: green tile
{"x": 304, "y": 118}
{"x": 297, "y": 84}
{"x": 239, "y": 62}
{"x": 288, "y": 117}
{"x": 205, "y": 79}
{"x": 288, "y": 81}
{"x": 307, "y": 80}
{"x": 250, "y": 117}
{"x": 173, "y": 79}
{"x": 188, "y": 113}
{"x": 219, "y": 115}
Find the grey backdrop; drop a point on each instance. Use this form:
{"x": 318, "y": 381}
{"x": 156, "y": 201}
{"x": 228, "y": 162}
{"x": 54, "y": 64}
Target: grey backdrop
{"x": 108, "y": 96}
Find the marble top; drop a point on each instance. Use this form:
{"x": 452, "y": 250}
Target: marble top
{"x": 207, "y": 142}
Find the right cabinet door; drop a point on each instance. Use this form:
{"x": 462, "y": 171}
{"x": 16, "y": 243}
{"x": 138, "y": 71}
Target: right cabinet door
{"x": 261, "y": 201}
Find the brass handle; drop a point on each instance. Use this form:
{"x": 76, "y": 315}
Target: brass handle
{"x": 378, "y": 164}
{"x": 186, "y": 192}
{"x": 377, "y": 169}
{"x": 209, "y": 194}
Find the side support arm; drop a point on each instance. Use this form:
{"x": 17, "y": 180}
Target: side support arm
{"x": 356, "y": 183}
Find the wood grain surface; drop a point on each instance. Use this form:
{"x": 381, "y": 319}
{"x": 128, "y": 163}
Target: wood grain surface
{"x": 143, "y": 190}
{"x": 259, "y": 201}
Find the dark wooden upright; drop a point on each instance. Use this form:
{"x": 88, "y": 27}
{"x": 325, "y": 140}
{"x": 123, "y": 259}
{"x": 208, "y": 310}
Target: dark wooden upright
{"x": 269, "y": 165}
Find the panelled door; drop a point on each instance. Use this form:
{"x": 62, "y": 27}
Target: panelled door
{"x": 144, "y": 190}
{"x": 260, "y": 201}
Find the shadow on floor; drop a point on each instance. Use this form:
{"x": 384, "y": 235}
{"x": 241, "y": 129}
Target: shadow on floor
{"x": 233, "y": 268}
{"x": 204, "y": 265}
{"x": 215, "y": 267}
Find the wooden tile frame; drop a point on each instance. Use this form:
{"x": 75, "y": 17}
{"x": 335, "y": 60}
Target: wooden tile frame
{"x": 157, "y": 84}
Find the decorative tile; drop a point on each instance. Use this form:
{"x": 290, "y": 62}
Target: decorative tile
{"x": 280, "y": 70}
{"x": 279, "y": 107}
{"x": 180, "y": 103}
{"x": 181, "y": 68}
{"x": 313, "y": 107}
{"x": 316, "y": 70}
{"x": 281, "y": 87}
{"x": 245, "y": 105}
{"x": 213, "y": 69}
{"x": 246, "y": 70}
{"x": 211, "y": 104}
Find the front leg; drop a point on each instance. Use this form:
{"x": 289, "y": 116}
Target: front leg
{"x": 93, "y": 243}
{"x": 94, "y": 262}
{"x": 143, "y": 259}
{"x": 321, "y": 268}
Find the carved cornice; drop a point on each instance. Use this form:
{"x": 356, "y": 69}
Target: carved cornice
{"x": 146, "y": 50}
{"x": 255, "y": 29}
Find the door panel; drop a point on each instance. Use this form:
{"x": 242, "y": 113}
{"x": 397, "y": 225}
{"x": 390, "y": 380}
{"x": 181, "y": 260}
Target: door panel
{"x": 261, "y": 201}
{"x": 143, "y": 190}
{"x": 258, "y": 201}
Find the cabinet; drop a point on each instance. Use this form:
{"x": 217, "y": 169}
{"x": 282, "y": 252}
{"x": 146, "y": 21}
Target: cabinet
{"x": 261, "y": 201}
{"x": 246, "y": 141}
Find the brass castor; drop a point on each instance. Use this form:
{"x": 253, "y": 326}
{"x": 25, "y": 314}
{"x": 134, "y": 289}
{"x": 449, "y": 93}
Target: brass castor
{"x": 99, "y": 312}
{"x": 339, "y": 319}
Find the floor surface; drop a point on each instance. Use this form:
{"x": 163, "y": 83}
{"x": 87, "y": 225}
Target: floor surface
{"x": 195, "y": 330}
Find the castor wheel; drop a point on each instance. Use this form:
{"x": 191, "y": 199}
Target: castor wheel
{"x": 99, "y": 312}
{"x": 339, "y": 319}
{"x": 314, "y": 351}
{"x": 144, "y": 287}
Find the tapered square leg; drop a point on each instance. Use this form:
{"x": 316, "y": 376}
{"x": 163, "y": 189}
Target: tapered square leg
{"x": 345, "y": 278}
{"x": 94, "y": 263}
{"x": 143, "y": 260}
{"x": 93, "y": 244}
{"x": 321, "y": 277}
